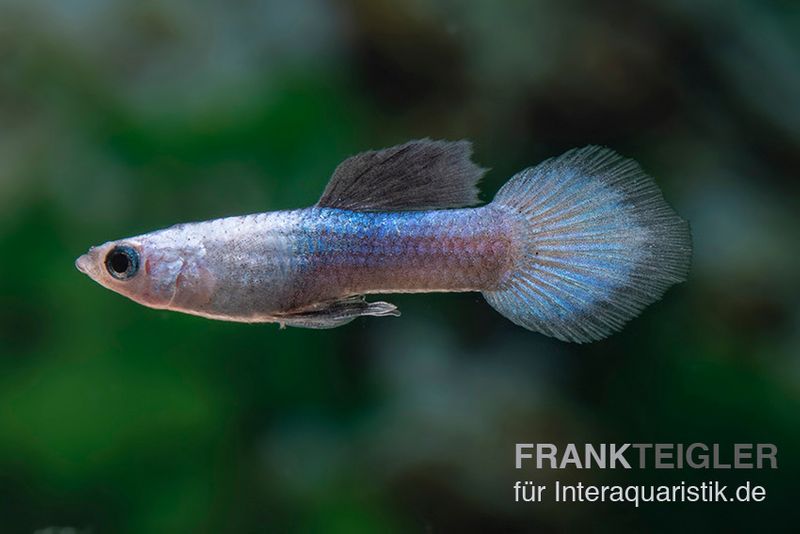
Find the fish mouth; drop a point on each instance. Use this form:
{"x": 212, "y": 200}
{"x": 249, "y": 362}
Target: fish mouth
{"x": 83, "y": 264}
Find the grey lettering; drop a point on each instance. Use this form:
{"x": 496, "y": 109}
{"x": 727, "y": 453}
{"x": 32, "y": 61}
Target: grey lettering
{"x": 617, "y": 455}
{"x": 523, "y": 455}
{"x": 663, "y": 453}
{"x": 703, "y": 457}
{"x": 766, "y": 451}
{"x": 741, "y": 453}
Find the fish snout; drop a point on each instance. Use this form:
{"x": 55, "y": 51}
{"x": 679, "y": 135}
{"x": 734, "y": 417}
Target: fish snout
{"x": 86, "y": 262}
{"x": 82, "y": 264}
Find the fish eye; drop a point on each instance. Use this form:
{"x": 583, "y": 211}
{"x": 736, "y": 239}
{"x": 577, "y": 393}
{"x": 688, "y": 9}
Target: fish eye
{"x": 122, "y": 262}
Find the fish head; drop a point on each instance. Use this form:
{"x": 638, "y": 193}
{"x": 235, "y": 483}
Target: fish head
{"x": 162, "y": 270}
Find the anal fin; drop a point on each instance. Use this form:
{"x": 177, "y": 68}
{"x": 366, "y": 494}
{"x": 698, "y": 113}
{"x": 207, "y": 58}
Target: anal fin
{"x": 333, "y": 313}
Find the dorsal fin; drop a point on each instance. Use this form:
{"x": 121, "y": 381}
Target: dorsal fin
{"x": 417, "y": 175}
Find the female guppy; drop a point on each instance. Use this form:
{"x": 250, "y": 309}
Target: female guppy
{"x": 572, "y": 248}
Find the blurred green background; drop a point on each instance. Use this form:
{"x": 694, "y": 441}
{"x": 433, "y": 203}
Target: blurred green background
{"x": 117, "y": 118}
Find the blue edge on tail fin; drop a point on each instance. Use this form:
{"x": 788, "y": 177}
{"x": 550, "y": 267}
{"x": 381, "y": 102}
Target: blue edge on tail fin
{"x": 597, "y": 244}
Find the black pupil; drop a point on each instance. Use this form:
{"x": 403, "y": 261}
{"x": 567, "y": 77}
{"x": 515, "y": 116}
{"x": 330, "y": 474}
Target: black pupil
{"x": 120, "y": 262}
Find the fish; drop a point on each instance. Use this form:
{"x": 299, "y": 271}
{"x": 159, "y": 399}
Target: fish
{"x": 572, "y": 248}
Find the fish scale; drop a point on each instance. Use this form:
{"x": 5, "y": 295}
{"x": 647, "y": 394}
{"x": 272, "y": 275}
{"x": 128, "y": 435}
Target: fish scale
{"x": 448, "y": 250}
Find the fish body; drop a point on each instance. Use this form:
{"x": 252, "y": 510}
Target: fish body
{"x": 292, "y": 259}
{"x": 561, "y": 250}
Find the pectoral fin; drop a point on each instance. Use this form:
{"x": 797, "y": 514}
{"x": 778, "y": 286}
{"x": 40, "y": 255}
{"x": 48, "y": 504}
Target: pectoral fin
{"x": 333, "y": 313}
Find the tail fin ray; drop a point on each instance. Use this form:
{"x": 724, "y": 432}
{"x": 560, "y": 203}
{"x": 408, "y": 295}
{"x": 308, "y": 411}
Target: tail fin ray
{"x": 597, "y": 243}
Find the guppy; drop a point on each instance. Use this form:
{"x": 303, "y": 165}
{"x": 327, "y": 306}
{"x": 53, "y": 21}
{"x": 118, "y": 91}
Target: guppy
{"x": 573, "y": 248}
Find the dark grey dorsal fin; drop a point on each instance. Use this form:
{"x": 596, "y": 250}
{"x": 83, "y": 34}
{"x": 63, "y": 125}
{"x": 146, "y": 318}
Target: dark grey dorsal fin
{"x": 333, "y": 313}
{"x": 418, "y": 175}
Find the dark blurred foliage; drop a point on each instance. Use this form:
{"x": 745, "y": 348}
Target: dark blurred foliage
{"x": 118, "y": 118}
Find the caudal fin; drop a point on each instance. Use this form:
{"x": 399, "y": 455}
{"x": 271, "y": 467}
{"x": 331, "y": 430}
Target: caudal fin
{"x": 597, "y": 244}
